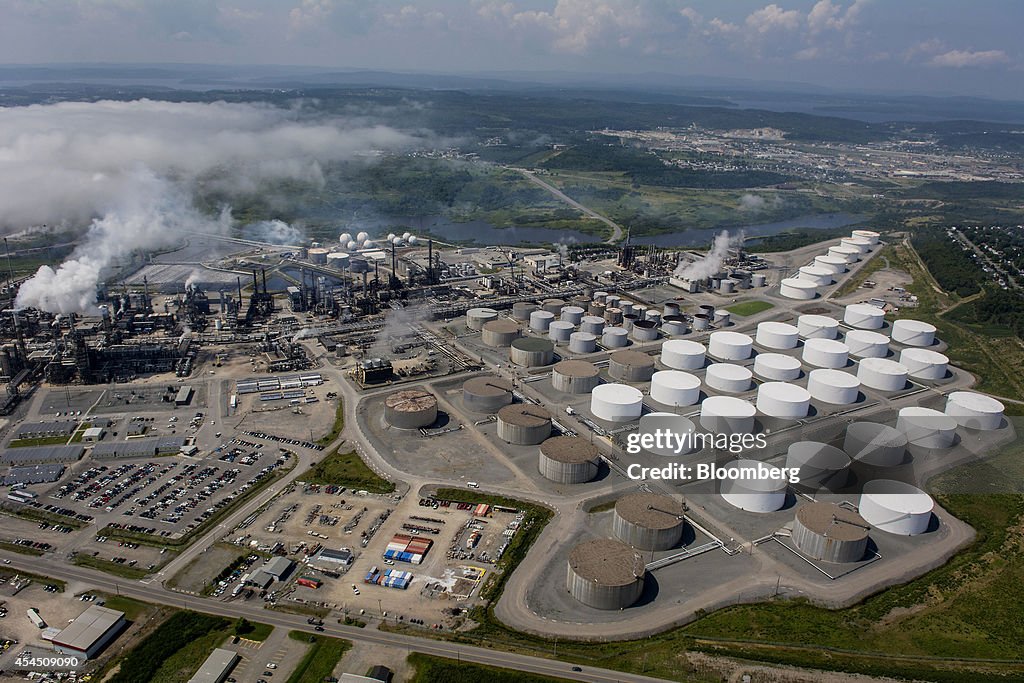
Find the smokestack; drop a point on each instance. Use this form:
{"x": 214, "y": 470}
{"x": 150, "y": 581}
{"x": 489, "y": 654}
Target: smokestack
{"x": 394, "y": 267}
{"x": 255, "y": 283}
{"x": 430, "y": 261}
{"x": 264, "y": 270}
{"x": 239, "y": 278}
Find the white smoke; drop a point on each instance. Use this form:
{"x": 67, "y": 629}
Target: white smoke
{"x": 563, "y": 247}
{"x": 398, "y": 323}
{"x": 129, "y": 170}
{"x": 712, "y": 261}
{"x": 273, "y": 232}
{"x": 753, "y": 203}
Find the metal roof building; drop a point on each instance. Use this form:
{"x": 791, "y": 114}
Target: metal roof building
{"x": 184, "y": 396}
{"x": 341, "y": 556}
{"x": 90, "y": 632}
{"x": 35, "y": 430}
{"x": 216, "y": 667}
{"x": 139, "y": 448}
{"x": 40, "y": 454}
{"x": 278, "y": 567}
{"x": 34, "y": 474}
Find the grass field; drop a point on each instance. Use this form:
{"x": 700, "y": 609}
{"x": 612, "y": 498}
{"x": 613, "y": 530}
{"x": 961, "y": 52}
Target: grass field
{"x": 749, "y": 307}
{"x": 336, "y": 427}
{"x": 108, "y": 567}
{"x": 321, "y": 658}
{"x": 431, "y": 669}
{"x": 21, "y": 549}
{"x": 133, "y": 609}
{"x": 347, "y": 469}
{"x": 174, "y": 651}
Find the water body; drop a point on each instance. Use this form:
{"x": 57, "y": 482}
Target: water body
{"x": 689, "y": 238}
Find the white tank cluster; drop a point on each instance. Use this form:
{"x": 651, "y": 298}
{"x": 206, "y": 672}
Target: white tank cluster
{"x": 926, "y": 427}
{"x": 811, "y": 326}
{"x": 859, "y": 243}
{"x": 851, "y": 254}
{"x": 913, "y": 332}
{"x": 560, "y": 331}
{"x": 730, "y": 345}
{"x": 675, "y": 388}
{"x": 754, "y": 494}
{"x": 875, "y": 445}
{"x": 864, "y": 316}
{"x": 833, "y": 386}
{"x": 727, "y": 377}
{"x": 896, "y": 507}
{"x": 826, "y": 353}
{"x": 820, "y": 277}
{"x": 882, "y": 374}
{"x": 775, "y": 335}
{"x": 776, "y": 366}
{"x": 727, "y": 415}
{"x": 783, "y": 400}
{"x": 867, "y": 344}
{"x": 820, "y": 466}
{"x": 616, "y": 402}
{"x": 871, "y": 236}
{"x": 833, "y": 264}
{"x": 540, "y": 321}
{"x": 683, "y": 354}
{"x": 924, "y": 364}
{"x": 975, "y": 411}
{"x": 795, "y": 288}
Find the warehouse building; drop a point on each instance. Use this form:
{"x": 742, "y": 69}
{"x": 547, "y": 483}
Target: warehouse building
{"x": 340, "y": 556}
{"x": 184, "y": 396}
{"x": 32, "y": 455}
{"x": 278, "y": 567}
{"x": 34, "y": 474}
{"x": 216, "y": 667}
{"x": 90, "y": 632}
{"x": 45, "y": 430}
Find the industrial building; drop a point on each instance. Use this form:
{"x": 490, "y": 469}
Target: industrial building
{"x": 32, "y": 455}
{"x": 341, "y": 556}
{"x": 278, "y": 567}
{"x": 216, "y": 667}
{"x": 34, "y": 474}
{"x": 90, "y": 632}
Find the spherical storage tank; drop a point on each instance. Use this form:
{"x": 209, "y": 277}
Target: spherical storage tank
{"x": 591, "y": 324}
{"x": 523, "y": 424}
{"x": 522, "y": 310}
{"x": 648, "y": 521}
{"x": 616, "y": 402}
{"x": 559, "y": 331}
{"x": 345, "y": 238}
{"x": 410, "y": 409}
{"x": 874, "y": 444}
{"x": 795, "y": 288}
{"x": 614, "y": 337}
{"x": 867, "y": 344}
{"x": 683, "y": 354}
{"x": 815, "y": 275}
{"x": 540, "y": 321}
{"x": 727, "y": 415}
{"x": 605, "y": 574}
{"x": 913, "y": 332}
{"x": 819, "y": 465}
{"x": 833, "y": 264}
{"x": 486, "y": 394}
{"x": 476, "y": 317}
{"x": 575, "y": 377}
{"x": 882, "y": 374}
{"x": 568, "y": 460}
{"x": 630, "y": 366}
{"x": 644, "y": 330}
{"x": 727, "y": 377}
{"x": 582, "y": 342}
{"x": 776, "y": 366}
{"x": 499, "y": 333}
{"x": 362, "y": 237}
{"x": 531, "y": 352}
{"x": 774, "y": 335}
{"x": 675, "y": 388}
{"x": 896, "y": 507}
{"x": 779, "y": 399}
{"x": 926, "y": 427}
{"x": 833, "y": 386}
{"x": 817, "y": 327}
{"x": 976, "y": 411}
{"x": 827, "y": 532}
{"x": 924, "y": 364}
{"x": 826, "y": 353}
{"x": 730, "y": 345}
{"x": 572, "y": 314}
{"x": 864, "y": 316}
{"x": 765, "y": 493}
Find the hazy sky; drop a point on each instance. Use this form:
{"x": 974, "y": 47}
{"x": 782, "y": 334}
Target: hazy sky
{"x": 950, "y": 46}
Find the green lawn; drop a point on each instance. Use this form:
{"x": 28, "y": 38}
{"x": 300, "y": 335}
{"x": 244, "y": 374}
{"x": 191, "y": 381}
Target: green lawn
{"x": 347, "y": 469}
{"x": 173, "y": 652}
{"x": 749, "y": 307}
{"x": 133, "y": 609}
{"x": 108, "y": 567}
{"x": 259, "y": 632}
{"x": 40, "y": 441}
{"x": 339, "y": 424}
{"x": 321, "y": 658}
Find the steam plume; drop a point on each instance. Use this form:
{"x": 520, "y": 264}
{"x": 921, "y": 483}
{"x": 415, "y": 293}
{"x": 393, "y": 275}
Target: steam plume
{"x": 712, "y": 262}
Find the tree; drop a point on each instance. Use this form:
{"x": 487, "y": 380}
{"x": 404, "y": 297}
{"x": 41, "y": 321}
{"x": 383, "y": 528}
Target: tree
{"x": 243, "y": 626}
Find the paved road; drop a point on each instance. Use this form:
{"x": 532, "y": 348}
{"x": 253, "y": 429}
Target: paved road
{"x": 156, "y": 594}
{"x": 617, "y": 231}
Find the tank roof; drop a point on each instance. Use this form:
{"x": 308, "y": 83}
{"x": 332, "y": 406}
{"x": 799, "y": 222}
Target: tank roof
{"x": 833, "y": 521}
{"x": 524, "y": 415}
{"x": 503, "y": 326}
{"x": 533, "y": 344}
{"x": 488, "y": 386}
{"x": 576, "y": 368}
{"x": 650, "y": 510}
{"x": 632, "y": 358}
{"x": 410, "y": 400}
{"x": 606, "y": 562}
{"x": 569, "y": 449}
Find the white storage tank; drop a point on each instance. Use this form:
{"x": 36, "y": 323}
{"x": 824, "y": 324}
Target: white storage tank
{"x": 683, "y": 354}
{"x": 758, "y": 280}
{"x": 644, "y": 330}
{"x": 559, "y": 331}
{"x": 766, "y": 493}
{"x": 795, "y": 288}
{"x": 575, "y": 377}
{"x": 816, "y": 275}
{"x": 582, "y": 342}
{"x": 859, "y": 243}
{"x": 775, "y": 335}
{"x": 926, "y": 427}
{"x": 833, "y": 386}
{"x": 727, "y": 415}
{"x": 783, "y": 400}
{"x": 924, "y": 364}
{"x": 476, "y": 317}
{"x": 776, "y": 366}
{"x": 591, "y": 324}
{"x": 616, "y": 402}
{"x": 572, "y": 314}
{"x": 675, "y": 388}
{"x": 826, "y": 353}
{"x": 864, "y": 316}
{"x": 727, "y": 286}
{"x": 834, "y": 264}
{"x": 811, "y": 326}
{"x": 700, "y": 322}
{"x": 870, "y": 235}
{"x": 867, "y": 344}
{"x": 913, "y": 332}
{"x": 896, "y": 507}
{"x": 652, "y": 315}
{"x": 820, "y": 466}
{"x": 849, "y": 253}
{"x": 875, "y": 444}
{"x": 882, "y": 374}
{"x": 540, "y": 321}
{"x": 976, "y": 411}
{"x": 671, "y": 308}
{"x": 532, "y": 352}
{"x": 722, "y": 317}
{"x": 730, "y": 345}
{"x": 733, "y": 379}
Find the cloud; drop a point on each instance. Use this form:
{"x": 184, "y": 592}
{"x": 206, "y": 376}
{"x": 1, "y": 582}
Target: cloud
{"x": 773, "y": 18}
{"x": 961, "y": 59}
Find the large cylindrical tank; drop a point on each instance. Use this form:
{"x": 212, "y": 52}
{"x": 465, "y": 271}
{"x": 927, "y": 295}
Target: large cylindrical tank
{"x": 882, "y": 374}
{"x": 774, "y": 335}
{"x": 630, "y": 366}
{"x": 644, "y": 330}
{"x": 722, "y": 317}
{"x": 727, "y": 286}
{"x": 575, "y": 377}
{"x": 597, "y": 309}
{"x": 652, "y": 315}
{"x": 913, "y": 332}
{"x": 924, "y": 363}
{"x": 896, "y": 507}
{"x": 531, "y": 352}
{"x": 410, "y": 409}
{"x": 833, "y": 386}
{"x": 819, "y": 465}
{"x": 926, "y": 427}
{"x": 764, "y": 493}
{"x": 486, "y": 394}
{"x": 826, "y": 353}
{"x": 820, "y": 277}
{"x": 683, "y": 354}
{"x": 614, "y": 337}
{"x": 875, "y": 444}
{"x": 867, "y": 344}
{"x": 500, "y": 333}
{"x": 864, "y": 316}
{"x": 572, "y": 314}
{"x": 779, "y": 399}
{"x": 675, "y": 388}
{"x": 338, "y": 260}
{"x": 835, "y": 264}
{"x": 476, "y": 317}
{"x": 674, "y": 325}
{"x": 849, "y": 253}
{"x": 612, "y": 301}
{"x": 552, "y": 305}
{"x": 560, "y": 331}
{"x": 976, "y": 411}
{"x": 701, "y": 321}
{"x": 859, "y": 243}
{"x": 521, "y": 310}
{"x": 727, "y": 415}
{"x": 628, "y": 307}
{"x": 568, "y": 460}
{"x": 648, "y": 521}
{"x": 817, "y": 327}
{"x": 318, "y": 255}
{"x": 795, "y": 288}
{"x": 540, "y": 321}
{"x": 829, "y": 533}
{"x": 671, "y": 308}
{"x": 605, "y": 574}
{"x": 730, "y": 345}
{"x": 523, "y": 424}
{"x": 591, "y": 324}
{"x": 616, "y": 402}
{"x": 582, "y": 342}
{"x": 870, "y": 235}
{"x": 601, "y": 297}
{"x": 776, "y": 366}
{"x": 614, "y": 316}
{"x": 727, "y": 377}
{"x": 758, "y": 280}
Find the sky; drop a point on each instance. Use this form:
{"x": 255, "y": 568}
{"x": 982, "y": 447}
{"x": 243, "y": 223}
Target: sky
{"x": 952, "y": 47}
